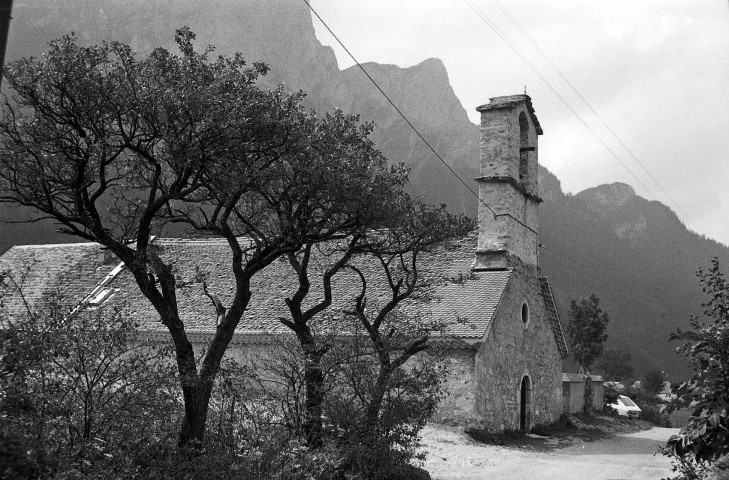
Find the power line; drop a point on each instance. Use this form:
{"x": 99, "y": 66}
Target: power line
{"x": 572, "y": 270}
{"x": 488, "y": 21}
{"x": 485, "y": 18}
{"x": 496, "y": 215}
{"x": 524, "y": 32}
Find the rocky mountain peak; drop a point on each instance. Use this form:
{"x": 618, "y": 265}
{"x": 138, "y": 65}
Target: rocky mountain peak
{"x": 609, "y": 195}
{"x": 423, "y": 92}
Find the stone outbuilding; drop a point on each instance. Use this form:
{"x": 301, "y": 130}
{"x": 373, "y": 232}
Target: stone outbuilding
{"x": 503, "y": 338}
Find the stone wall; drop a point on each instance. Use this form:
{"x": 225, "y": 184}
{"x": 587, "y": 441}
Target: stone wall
{"x": 458, "y": 405}
{"x": 598, "y": 392}
{"x": 510, "y": 192}
{"x": 513, "y": 350}
{"x": 573, "y": 394}
{"x": 483, "y": 383}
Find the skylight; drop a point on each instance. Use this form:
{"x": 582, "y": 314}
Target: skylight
{"x": 101, "y": 296}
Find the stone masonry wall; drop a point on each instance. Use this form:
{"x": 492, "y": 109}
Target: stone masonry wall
{"x": 483, "y": 386}
{"x": 456, "y": 408}
{"x": 500, "y": 153}
{"x": 512, "y": 351}
{"x": 573, "y": 394}
{"x": 458, "y": 405}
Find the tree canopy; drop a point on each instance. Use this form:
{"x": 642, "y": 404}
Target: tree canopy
{"x": 116, "y": 149}
{"x": 586, "y": 329}
{"x": 615, "y": 365}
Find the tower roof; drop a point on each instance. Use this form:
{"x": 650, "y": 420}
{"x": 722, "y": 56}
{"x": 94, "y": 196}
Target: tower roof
{"x": 510, "y": 101}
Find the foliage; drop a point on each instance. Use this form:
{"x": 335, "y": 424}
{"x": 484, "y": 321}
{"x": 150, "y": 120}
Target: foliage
{"x": 614, "y": 365}
{"x": 705, "y": 439}
{"x": 653, "y": 381}
{"x": 350, "y": 371}
{"x": 649, "y": 403}
{"x": 77, "y": 392}
{"x": 117, "y": 149}
{"x": 586, "y": 329}
{"x": 390, "y": 257}
{"x": 609, "y": 396}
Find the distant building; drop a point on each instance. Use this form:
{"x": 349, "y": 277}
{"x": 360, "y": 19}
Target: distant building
{"x": 504, "y": 337}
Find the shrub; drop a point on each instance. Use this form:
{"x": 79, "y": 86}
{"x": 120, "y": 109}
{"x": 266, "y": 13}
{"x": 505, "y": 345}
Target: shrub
{"x": 77, "y": 390}
{"x": 705, "y": 438}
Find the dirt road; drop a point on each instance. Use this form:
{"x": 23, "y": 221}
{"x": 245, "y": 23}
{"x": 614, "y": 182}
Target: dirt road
{"x": 453, "y": 455}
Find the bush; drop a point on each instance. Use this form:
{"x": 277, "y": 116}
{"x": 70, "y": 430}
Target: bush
{"x": 654, "y": 415}
{"x": 704, "y": 441}
{"x": 124, "y": 422}
{"x": 76, "y": 391}
{"x": 653, "y": 381}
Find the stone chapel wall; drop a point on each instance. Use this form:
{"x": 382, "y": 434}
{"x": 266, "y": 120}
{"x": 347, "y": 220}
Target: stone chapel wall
{"x": 511, "y": 352}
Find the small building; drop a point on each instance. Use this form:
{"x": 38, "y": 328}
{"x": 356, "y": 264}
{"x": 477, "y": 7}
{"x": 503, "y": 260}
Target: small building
{"x": 506, "y": 341}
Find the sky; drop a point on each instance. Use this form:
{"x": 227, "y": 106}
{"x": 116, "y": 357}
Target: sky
{"x": 656, "y": 72}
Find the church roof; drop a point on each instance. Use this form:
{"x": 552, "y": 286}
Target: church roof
{"x": 72, "y": 274}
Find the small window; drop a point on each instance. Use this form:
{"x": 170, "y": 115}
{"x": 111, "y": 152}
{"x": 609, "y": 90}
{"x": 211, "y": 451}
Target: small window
{"x": 525, "y": 313}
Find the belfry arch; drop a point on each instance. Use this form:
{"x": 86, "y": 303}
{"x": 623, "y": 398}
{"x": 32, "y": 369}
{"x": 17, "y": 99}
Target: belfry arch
{"x": 523, "y": 147}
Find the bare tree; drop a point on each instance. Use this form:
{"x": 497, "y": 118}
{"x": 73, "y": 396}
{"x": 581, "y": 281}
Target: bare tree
{"x": 408, "y": 229}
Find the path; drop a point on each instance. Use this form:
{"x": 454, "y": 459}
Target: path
{"x": 453, "y": 455}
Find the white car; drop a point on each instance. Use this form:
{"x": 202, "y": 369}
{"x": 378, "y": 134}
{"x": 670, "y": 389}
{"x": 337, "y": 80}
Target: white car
{"x": 625, "y": 407}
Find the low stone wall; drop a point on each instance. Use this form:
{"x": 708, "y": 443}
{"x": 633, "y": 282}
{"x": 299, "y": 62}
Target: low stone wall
{"x": 573, "y": 392}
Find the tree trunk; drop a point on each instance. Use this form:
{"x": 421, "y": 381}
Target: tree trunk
{"x": 197, "y": 398}
{"x": 372, "y": 412}
{"x": 314, "y": 381}
{"x": 588, "y": 394}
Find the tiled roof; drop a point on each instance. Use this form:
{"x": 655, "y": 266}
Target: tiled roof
{"x": 553, "y": 317}
{"x": 465, "y": 301}
{"x": 47, "y": 272}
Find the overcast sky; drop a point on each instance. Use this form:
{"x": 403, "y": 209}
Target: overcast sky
{"x": 657, "y": 72}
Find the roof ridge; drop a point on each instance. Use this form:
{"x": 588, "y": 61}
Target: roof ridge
{"x": 52, "y": 245}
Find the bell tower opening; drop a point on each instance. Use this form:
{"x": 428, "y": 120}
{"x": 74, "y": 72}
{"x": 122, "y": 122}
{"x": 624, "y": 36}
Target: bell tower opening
{"x": 523, "y": 148}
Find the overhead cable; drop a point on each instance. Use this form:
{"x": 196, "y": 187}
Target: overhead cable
{"x": 485, "y": 18}
{"x": 387, "y": 97}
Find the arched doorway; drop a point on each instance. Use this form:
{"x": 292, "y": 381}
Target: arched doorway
{"x": 525, "y": 404}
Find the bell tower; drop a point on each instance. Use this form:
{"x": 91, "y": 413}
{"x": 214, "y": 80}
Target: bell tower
{"x": 509, "y": 200}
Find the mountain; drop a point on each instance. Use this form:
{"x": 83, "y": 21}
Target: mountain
{"x": 632, "y": 253}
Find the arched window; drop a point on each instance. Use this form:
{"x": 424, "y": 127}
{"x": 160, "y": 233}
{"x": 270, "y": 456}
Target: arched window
{"x": 523, "y": 147}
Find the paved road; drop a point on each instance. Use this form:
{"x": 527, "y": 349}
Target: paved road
{"x": 630, "y": 456}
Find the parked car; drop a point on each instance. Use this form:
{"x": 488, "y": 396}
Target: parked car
{"x": 625, "y": 407}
